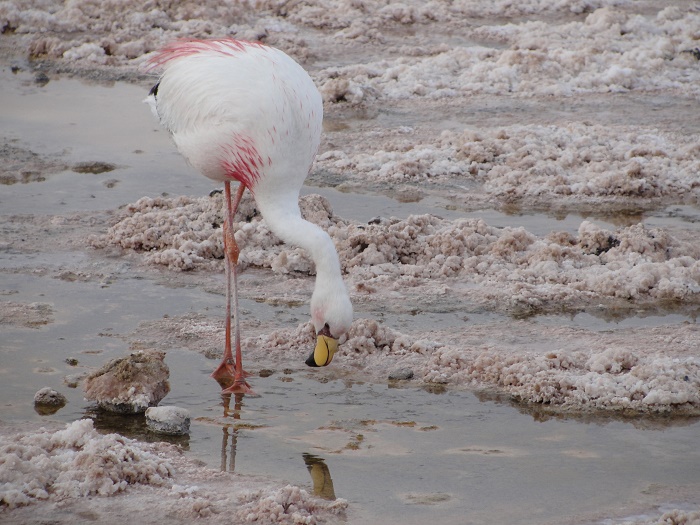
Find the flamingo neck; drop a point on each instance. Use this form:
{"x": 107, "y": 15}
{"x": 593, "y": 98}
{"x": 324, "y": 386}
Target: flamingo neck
{"x": 287, "y": 223}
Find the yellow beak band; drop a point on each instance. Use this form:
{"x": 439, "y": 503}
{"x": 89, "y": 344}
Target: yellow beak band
{"x": 322, "y": 355}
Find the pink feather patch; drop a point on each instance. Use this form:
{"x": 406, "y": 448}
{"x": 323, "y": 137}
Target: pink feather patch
{"x": 241, "y": 160}
{"x": 188, "y": 47}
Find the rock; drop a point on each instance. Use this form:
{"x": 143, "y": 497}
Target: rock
{"x": 401, "y": 374}
{"x": 168, "y": 420}
{"x": 95, "y": 167}
{"x": 41, "y": 79}
{"x": 48, "y": 401}
{"x": 73, "y": 380}
{"x": 129, "y": 385}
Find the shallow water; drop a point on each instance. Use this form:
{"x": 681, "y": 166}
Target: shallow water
{"x": 398, "y": 453}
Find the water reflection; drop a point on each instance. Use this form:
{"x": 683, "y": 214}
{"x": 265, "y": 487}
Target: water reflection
{"x": 230, "y": 438}
{"x": 132, "y": 426}
{"x": 47, "y": 410}
{"x": 319, "y": 471}
{"x": 597, "y": 317}
{"x": 320, "y": 477}
{"x": 542, "y": 412}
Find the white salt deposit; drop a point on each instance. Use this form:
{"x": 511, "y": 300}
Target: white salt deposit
{"x": 507, "y": 269}
{"x": 53, "y": 474}
{"x": 616, "y": 378}
{"x": 607, "y": 51}
{"x": 72, "y": 463}
{"x": 31, "y": 315}
{"x": 640, "y": 370}
{"x": 670, "y": 517}
{"x": 595, "y": 46}
{"x": 514, "y": 264}
{"x": 616, "y": 374}
{"x": 168, "y": 420}
{"x": 579, "y": 164}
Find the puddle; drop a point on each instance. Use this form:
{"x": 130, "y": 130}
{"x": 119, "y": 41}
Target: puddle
{"x": 398, "y": 454}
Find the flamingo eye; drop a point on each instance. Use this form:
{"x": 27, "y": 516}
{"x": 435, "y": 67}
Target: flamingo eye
{"x": 326, "y": 330}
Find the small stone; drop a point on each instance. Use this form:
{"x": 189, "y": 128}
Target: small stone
{"x": 48, "y": 401}
{"x": 402, "y": 374}
{"x": 41, "y": 79}
{"x": 49, "y": 396}
{"x": 168, "y": 420}
{"x": 266, "y": 372}
{"x": 72, "y": 361}
{"x": 94, "y": 167}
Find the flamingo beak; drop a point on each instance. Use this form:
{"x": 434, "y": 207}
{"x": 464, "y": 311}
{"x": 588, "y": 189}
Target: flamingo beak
{"x": 322, "y": 355}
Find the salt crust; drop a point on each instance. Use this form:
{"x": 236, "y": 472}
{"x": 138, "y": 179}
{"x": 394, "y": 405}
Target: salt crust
{"x": 168, "y": 420}
{"x": 631, "y": 263}
{"x": 49, "y": 474}
{"x": 72, "y": 463}
{"x": 609, "y": 51}
{"x": 618, "y": 375}
{"x": 578, "y": 164}
{"x": 671, "y": 517}
{"x": 640, "y": 370}
{"x": 603, "y": 49}
{"x": 460, "y": 260}
{"x": 28, "y": 315}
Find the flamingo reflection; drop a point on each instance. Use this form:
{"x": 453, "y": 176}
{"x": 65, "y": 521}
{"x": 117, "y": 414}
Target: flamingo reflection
{"x": 230, "y": 431}
{"x": 320, "y": 476}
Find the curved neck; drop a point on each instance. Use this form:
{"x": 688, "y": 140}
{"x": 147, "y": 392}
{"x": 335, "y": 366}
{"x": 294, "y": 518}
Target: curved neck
{"x": 286, "y": 222}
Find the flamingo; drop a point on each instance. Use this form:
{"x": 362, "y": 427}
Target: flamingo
{"x": 247, "y": 112}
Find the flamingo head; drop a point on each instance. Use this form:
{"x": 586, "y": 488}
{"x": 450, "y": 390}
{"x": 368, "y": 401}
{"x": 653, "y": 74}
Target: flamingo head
{"x": 331, "y": 315}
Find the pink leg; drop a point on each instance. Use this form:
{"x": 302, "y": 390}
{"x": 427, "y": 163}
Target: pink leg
{"x": 229, "y": 374}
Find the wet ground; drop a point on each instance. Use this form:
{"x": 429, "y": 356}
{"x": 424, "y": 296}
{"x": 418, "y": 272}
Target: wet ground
{"x": 398, "y": 453}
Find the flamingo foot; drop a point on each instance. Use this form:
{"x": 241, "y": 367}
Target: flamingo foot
{"x": 225, "y": 374}
{"x": 239, "y": 386}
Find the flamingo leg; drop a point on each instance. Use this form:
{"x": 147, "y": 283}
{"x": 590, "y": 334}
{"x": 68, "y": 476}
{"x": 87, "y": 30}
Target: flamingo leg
{"x": 230, "y": 374}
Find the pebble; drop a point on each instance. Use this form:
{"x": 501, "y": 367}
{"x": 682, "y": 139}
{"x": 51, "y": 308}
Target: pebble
{"x": 168, "y": 420}
{"x": 49, "y": 396}
{"x": 401, "y": 374}
{"x": 41, "y": 79}
{"x": 48, "y": 401}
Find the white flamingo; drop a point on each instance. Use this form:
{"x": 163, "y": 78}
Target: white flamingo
{"x": 246, "y": 112}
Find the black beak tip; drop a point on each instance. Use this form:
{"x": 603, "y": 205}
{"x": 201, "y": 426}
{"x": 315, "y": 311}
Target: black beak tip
{"x": 311, "y": 361}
